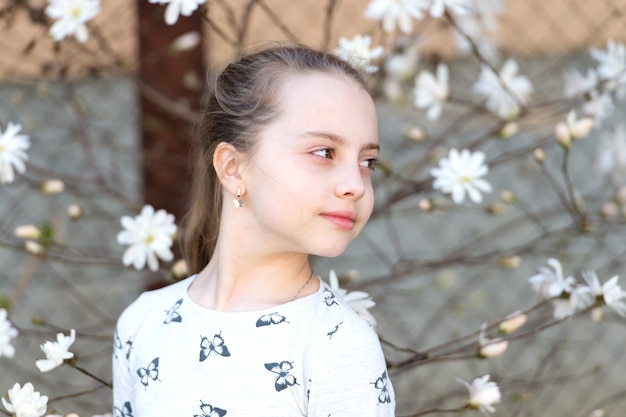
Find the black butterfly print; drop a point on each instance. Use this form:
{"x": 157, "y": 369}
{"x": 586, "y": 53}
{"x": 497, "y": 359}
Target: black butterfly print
{"x": 125, "y": 411}
{"x": 151, "y": 372}
{"x": 284, "y": 378}
{"x": 333, "y": 331}
{"x": 381, "y": 384}
{"x": 271, "y": 318}
{"x": 172, "y": 315}
{"x": 117, "y": 344}
{"x": 129, "y": 346}
{"x": 329, "y": 297}
{"x": 216, "y": 345}
{"x": 209, "y": 411}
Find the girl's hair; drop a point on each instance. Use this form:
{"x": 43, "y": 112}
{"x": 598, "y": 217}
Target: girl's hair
{"x": 242, "y": 101}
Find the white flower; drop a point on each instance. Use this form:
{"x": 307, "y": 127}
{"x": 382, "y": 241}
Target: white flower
{"x": 357, "y": 52}
{"x": 550, "y": 283}
{"x": 359, "y": 301}
{"x": 505, "y": 102}
{"x": 177, "y": 7}
{"x": 56, "y": 352}
{"x": 12, "y": 152}
{"x": 7, "y": 332}
{"x": 25, "y": 402}
{"x": 483, "y": 394}
{"x": 402, "y": 66}
{"x": 396, "y": 12}
{"x": 437, "y": 7}
{"x": 612, "y": 294}
{"x": 461, "y": 173}
{"x": 573, "y": 129}
{"x": 490, "y": 348}
{"x": 72, "y": 16}
{"x": 578, "y": 299}
{"x": 577, "y": 84}
{"x": 612, "y": 66}
{"x": 611, "y": 157}
{"x": 600, "y": 106}
{"x": 150, "y": 236}
{"x": 431, "y": 92}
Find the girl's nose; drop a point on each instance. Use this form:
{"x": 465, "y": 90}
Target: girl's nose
{"x": 350, "y": 182}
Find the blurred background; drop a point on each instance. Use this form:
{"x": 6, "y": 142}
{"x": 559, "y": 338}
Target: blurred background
{"x": 112, "y": 118}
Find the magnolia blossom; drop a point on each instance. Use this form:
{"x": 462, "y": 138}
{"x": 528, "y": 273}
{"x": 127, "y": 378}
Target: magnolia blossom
{"x": 461, "y": 173}
{"x": 572, "y": 128}
{"x": 577, "y": 84}
{"x": 71, "y": 17}
{"x": 505, "y": 92}
{"x": 612, "y": 66}
{"x": 12, "y": 152}
{"x": 438, "y": 7}
{"x": 599, "y": 106}
{"x": 611, "y": 293}
{"x": 401, "y": 66}
{"x": 177, "y": 7}
{"x": 358, "y": 53}
{"x": 359, "y": 301}
{"x": 149, "y": 236}
{"x": 56, "y": 352}
{"x": 490, "y": 348}
{"x": 7, "y": 332}
{"x": 578, "y": 299}
{"x": 483, "y": 394}
{"x": 396, "y": 12}
{"x": 431, "y": 92}
{"x": 550, "y": 283}
{"x": 25, "y": 402}
{"x": 611, "y": 156}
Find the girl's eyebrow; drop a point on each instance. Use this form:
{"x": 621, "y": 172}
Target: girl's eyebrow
{"x": 336, "y": 138}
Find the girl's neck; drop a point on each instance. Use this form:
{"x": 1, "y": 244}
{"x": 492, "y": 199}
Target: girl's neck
{"x": 247, "y": 282}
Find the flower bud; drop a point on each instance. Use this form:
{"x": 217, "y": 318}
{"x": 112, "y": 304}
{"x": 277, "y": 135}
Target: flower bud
{"x": 425, "y": 204}
{"x": 74, "y": 211}
{"x": 496, "y": 209}
{"x": 539, "y": 155}
{"x": 513, "y": 322}
{"x": 597, "y": 314}
{"x": 350, "y": 276}
{"x": 416, "y": 133}
{"x": 35, "y": 248}
{"x": 508, "y": 196}
{"x": 180, "y": 270}
{"x": 52, "y": 187}
{"x": 186, "y": 42}
{"x": 609, "y": 210}
{"x": 510, "y": 262}
{"x": 599, "y": 412}
{"x": 72, "y": 415}
{"x": 28, "y": 231}
{"x": 509, "y": 130}
{"x": 493, "y": 350}
{"x": 562, "y": 134}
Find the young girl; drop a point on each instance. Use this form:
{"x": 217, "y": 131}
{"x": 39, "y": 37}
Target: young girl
{"x": 282, "y": 171}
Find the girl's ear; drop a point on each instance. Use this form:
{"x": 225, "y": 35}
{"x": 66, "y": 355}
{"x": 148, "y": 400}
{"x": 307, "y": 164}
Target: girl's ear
{"x": 228, "y": 164}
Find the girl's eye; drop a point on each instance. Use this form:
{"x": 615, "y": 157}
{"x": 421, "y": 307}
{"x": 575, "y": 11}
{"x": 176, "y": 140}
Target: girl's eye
{"x": 326, "y": 153}
{"x": 370, "y": 164}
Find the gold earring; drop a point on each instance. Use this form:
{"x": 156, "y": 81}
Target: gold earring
{"x": 238, "y": 202}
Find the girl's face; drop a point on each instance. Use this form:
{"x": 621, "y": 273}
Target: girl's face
{"x": 308, "y": 186}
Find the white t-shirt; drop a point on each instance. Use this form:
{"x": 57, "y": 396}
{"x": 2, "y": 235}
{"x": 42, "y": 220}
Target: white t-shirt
{"x": 310, "y": 357}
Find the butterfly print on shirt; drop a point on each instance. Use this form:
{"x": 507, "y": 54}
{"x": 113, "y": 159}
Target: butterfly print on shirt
{"x": 271, "y": 318}
{"x": 208, "y": 410}
{"x": 329, "y": 297}
{"x": 284, "y": 379}
{"x": 151, "y": 372}
{"x": 117, "y": 344}
{"x": 172, "y": 316}
{"x": 125, "y": 411}
{"x": 333, "y": 331}
{"x": 215, "y": 345}
{"x": 381, "y": 384}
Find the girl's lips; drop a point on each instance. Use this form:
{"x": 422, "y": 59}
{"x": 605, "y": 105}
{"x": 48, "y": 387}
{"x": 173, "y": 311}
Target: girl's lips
{"x": 343, "y": 220}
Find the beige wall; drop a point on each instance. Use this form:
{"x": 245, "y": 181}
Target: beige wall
{"x": 529, "y": 27}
